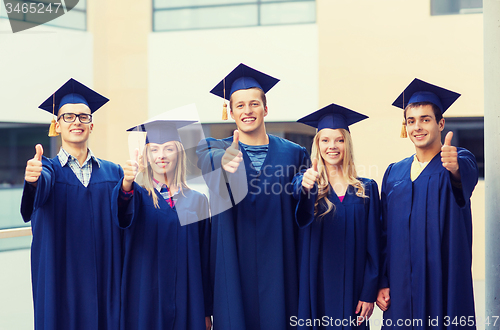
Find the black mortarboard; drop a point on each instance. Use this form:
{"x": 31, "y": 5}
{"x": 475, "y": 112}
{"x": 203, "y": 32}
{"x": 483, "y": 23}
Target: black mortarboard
{"x": 73, "y": 92}
{"x": 162, "y": 131}
{"x": 332, "y": 116}
{"x": 421, "y": 91}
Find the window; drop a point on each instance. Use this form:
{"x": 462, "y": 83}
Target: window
{"x": 447, "y": 7}
{"x": 171, "y": 15}
{"x": 17, "y": 146}
{"x": 468, "y": 133}
{"x": 75, "y": 19}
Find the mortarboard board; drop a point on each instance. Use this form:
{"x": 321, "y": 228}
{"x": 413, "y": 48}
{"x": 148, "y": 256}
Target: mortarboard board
{"x": 332, "y": 116}
{"x": 242, "y": 77}
{"x": 421, "y": 91}
{"x": 72, "y": 92}
{"x": 161, "y": 131}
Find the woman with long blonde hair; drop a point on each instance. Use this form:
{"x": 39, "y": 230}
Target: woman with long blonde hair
{"x": 166, "y": 226}
{"x": 338, "y": 213}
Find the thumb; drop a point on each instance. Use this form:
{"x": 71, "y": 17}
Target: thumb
{"x": 236, "y": 138}
{"x": 39, "y": 152}
{"x": 447, "y": 139}
{"x": 136, "y": 155}
{"x": 315, "y": 164}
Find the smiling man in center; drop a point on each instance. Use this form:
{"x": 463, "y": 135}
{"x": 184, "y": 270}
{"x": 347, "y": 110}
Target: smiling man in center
{"x": 253, "y": 261}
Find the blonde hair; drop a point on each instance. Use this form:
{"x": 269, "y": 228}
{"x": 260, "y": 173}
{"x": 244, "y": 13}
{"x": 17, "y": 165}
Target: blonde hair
{"x": 178, "y": 180}
{"x": 348, "y": 170}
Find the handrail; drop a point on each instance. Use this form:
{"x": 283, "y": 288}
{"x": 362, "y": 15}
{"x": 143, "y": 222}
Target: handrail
{"x": 15, "y": 232}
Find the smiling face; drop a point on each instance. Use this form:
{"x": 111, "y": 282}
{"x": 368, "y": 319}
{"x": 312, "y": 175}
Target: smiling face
{"x": 331, "y": 146}
{"x": 163, "y": 160}
{"x": 248, "y": 110}
{"x": 75, "y": 133}
{"x": 423, "y": 129}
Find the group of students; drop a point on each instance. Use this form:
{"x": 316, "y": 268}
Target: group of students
{"x": 139, "y": 249}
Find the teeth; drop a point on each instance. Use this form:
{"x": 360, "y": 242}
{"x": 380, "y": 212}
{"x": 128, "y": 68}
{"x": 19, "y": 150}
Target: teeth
{"x": 247, "y": 120}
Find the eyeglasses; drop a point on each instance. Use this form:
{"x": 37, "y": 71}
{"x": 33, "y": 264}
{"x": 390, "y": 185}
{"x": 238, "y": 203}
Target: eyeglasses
{"x": 84, "y": 118}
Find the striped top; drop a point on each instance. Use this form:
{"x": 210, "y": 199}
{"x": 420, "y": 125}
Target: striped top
{"x": 257, "y": 154}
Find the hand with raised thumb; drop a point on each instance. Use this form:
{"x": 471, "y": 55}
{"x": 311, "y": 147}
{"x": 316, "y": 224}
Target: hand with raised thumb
{"x": 130, "y": 171}
{"x": 233, "y": 156}
{"x": 34, "y": 166}
{"x": 449, "y": 155}
{"x": 311, "y": 176}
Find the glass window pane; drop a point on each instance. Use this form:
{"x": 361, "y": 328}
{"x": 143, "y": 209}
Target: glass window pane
{"x": 158, "y": 4}
{"x": 446, "y": 7}
{"x": 72, "y": 19}
{"x": 288, "y": 13}
{"x": 184, "y": 19}
{"x": 82, "y": 5}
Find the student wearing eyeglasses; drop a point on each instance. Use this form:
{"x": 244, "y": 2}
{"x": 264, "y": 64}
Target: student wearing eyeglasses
{"x": 76, "y": 249}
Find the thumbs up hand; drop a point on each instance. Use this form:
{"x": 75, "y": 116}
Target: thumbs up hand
{"x": 130, "y": 171}
{"x": 449, "y": 155}
{"x": 311, "y": 176}
{"x": 34, "y": 166}
{"x": 233, "y": 156}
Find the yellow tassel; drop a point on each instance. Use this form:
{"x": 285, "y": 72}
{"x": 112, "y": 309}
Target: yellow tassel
{"x": 52, "y": 128}
{"x": 403, "y": 130}
{"x": 224, "y": 111}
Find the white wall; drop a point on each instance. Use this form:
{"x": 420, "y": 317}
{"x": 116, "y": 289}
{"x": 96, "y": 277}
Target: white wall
{"x": 34, "y": 63}
{"x": 184, "y": 66}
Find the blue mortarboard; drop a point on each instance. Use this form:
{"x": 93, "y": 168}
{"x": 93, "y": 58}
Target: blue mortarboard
{"x": 73, "y": 92}
{"x": 421, "y": 91}
{"x": 162, "y": 131}
{"x": 332, "y": 116}
{"x": 243, "y": 77}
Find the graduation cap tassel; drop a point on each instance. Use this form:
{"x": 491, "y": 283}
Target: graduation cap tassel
{"x": 224, "y": 105}
{"x": 403, "y": 130}
{"x": 52, "y": 128}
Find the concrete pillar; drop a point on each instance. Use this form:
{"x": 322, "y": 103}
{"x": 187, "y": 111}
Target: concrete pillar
{"x": 491, "y": 13}
{"x": 120, "y": 29}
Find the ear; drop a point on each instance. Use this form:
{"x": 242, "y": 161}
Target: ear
{"x": 265, "y": 111}
{"x": 91, "y": 127}
{"x": 441, "y": 124}
{"x": 231, "y": 113}
{"x": 58, "y": 127}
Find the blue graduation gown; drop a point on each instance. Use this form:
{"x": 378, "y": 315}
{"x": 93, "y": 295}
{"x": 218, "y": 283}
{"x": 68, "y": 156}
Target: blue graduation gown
{"x": 427, "y": 245}
{"x": 339, "y": 263}
{"x": 253, "y": 254}
{"x": 76, "y": 249}
{"x": 165, "y": 281}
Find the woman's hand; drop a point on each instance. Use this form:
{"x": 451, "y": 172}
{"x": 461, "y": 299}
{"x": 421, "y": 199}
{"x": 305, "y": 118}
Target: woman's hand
{"x": 364, "y": 311}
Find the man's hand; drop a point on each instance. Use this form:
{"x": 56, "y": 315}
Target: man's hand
{"x": 130, "y": 171}
{"x": 384, "y": 299}
{"x": 449, "y": 156}
{"x": 365, "y": 310}
{"x": 311, "y": 176}
{"x": 208, "y": 322}
{"x": 34, "y": 166}
{"x": 233, "y": 156}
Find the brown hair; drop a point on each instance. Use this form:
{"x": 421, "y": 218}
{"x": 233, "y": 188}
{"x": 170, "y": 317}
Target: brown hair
{"x": 437, "y": 112}
{"x": 262, "y": 96}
